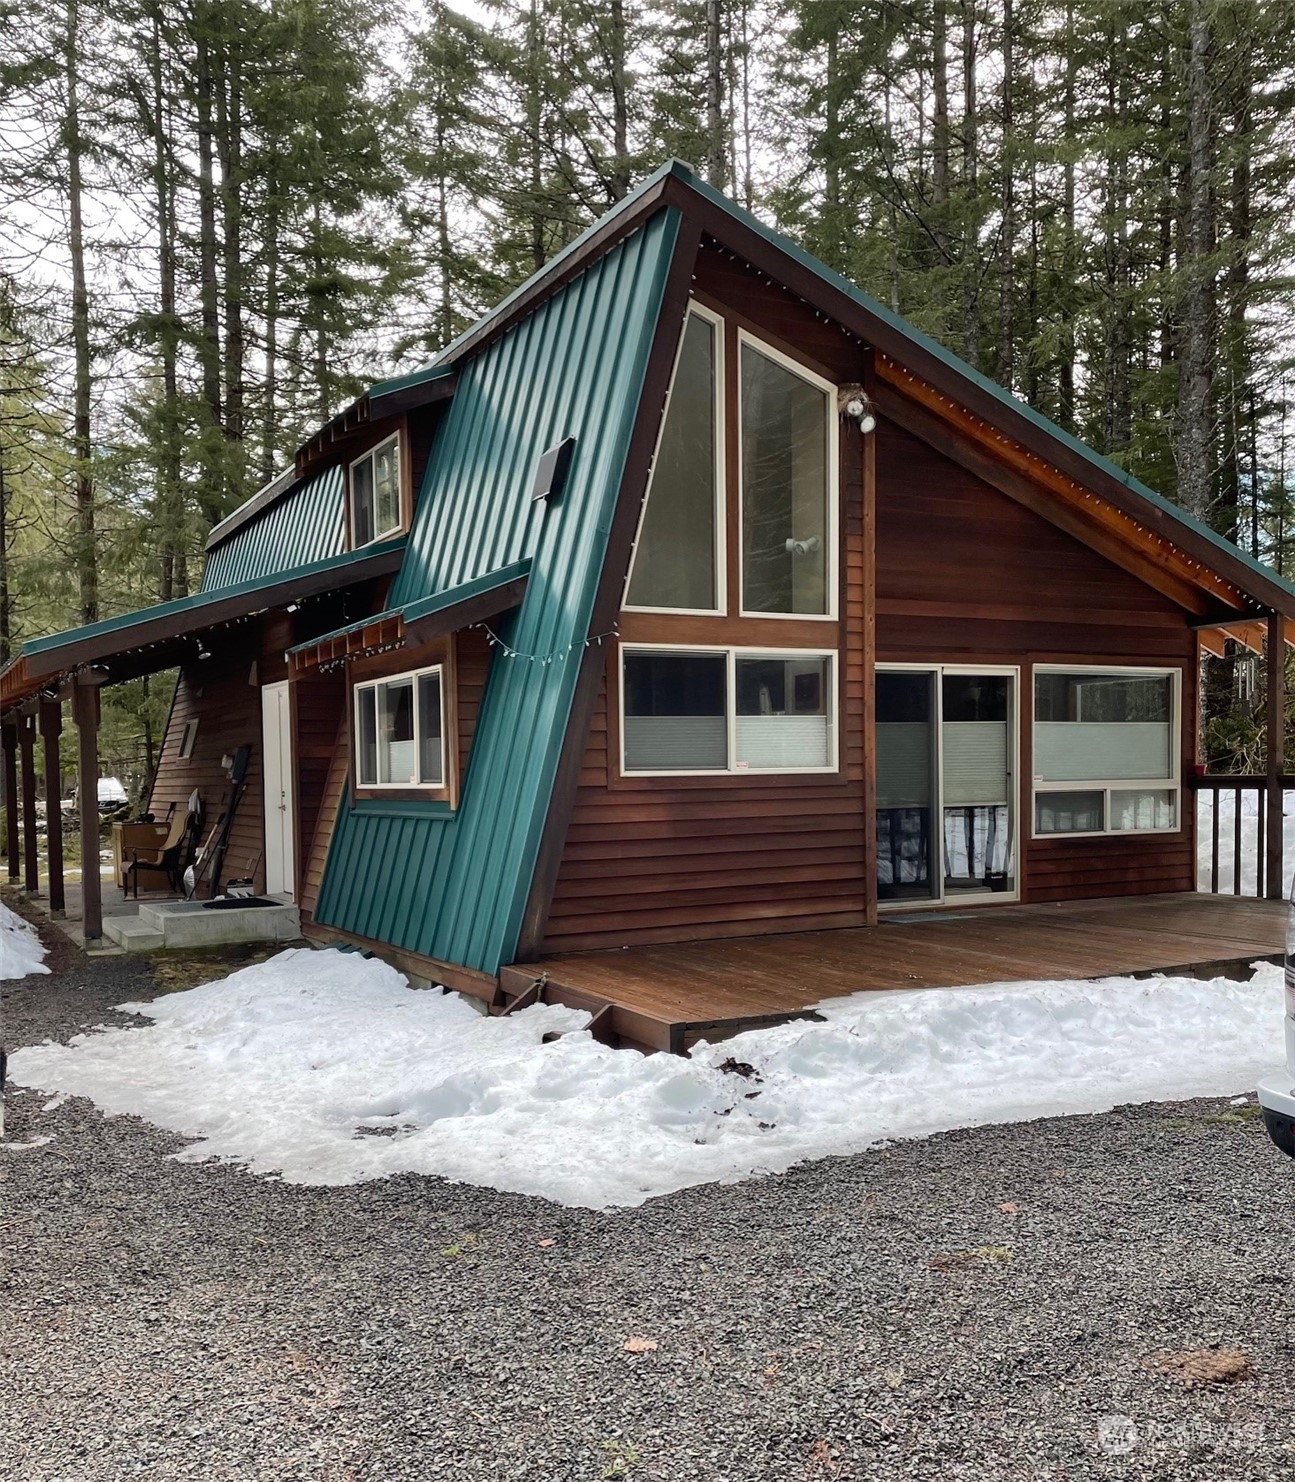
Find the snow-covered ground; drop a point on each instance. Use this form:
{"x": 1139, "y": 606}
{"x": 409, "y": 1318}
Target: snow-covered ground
{"x": 1249, "y": 839}
{"x": 21, "y": 951}
{"x": 327, "y": 1069}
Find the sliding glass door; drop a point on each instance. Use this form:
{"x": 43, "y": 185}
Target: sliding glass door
{"x": 946, "y": 807}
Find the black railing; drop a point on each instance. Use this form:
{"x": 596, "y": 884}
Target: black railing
{"x": 1236, "y": 835}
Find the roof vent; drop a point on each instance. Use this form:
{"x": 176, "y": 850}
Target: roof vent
{"x": 551, "y": 475}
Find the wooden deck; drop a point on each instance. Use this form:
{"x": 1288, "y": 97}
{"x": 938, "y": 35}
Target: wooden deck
{"x": 667, "y": 997}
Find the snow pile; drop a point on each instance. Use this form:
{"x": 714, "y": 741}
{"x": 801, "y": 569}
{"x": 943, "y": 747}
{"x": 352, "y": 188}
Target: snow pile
{"x": 1228, "y": 825}
{"x": 328, "y": 1069}
{"x": 21, "y": 951}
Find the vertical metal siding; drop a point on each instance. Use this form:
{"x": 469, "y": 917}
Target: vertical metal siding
{"x": 304, "y": 526}
{"x": 455, "y": 887}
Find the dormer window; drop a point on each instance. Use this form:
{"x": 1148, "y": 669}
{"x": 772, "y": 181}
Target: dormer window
{"x": 375, "y": 494}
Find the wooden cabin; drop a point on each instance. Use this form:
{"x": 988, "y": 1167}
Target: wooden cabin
{"x": 692, "y": 603}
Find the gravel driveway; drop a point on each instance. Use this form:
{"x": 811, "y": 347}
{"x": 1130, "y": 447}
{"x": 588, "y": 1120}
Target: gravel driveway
{"x": 981, "y": 1305}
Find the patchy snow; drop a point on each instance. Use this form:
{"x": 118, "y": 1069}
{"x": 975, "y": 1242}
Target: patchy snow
{"x": 21, "y": 951}
{"x": 327, "y": 1069}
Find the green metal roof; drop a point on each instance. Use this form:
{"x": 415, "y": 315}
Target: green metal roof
{"x": 416, "y": 612}
{"x": 199, "y": 602}
{"x": 453, "y": 886}
{"x": 304, "y": 525}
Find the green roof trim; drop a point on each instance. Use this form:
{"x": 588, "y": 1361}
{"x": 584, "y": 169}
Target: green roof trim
{"x": 414, "y": 612}
{"x": 199, "y": 601}
{"x": 300, "y": 524}
{"x": 478, "y": 586}
{"x": 433, "y": 372}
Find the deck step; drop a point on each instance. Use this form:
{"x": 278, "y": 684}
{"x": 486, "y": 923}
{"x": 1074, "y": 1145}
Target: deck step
{"x": 132, "y": 934}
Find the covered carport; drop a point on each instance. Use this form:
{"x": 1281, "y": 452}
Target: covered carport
{"x": 71, "y": 669}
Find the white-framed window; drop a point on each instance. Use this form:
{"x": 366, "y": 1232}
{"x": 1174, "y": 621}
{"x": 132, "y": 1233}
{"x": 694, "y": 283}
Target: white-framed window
{"x": 1106, "y": 750}
{"x": 726, "y": 710}
{"x": 187, "y": 738}
{"x": 679, "y": 554}
{"x": 375, "y": 493}
{"x": 400, "y": 730}
{"x": 787, "y": 485}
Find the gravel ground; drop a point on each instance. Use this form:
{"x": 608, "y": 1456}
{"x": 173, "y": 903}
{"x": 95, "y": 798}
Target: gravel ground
{"x": 981, "y": 1305}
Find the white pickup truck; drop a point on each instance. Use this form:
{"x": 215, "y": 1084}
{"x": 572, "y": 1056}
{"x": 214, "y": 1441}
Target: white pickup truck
{"x": 1277, "y": 1091}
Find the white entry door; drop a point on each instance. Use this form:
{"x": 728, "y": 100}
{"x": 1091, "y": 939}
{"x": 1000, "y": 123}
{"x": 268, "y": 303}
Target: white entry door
{"x": 276, "y": 732}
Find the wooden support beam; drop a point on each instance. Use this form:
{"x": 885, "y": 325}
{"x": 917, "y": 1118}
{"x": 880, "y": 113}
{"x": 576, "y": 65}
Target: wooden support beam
{"x": 51, "y": 727}
{"x": 27, "y": 774}
{"x": 1274, "y": 875}
{"x": 9, "y": 737}
{"x": 85, "y": 712}
{"x": 870, "y": 673}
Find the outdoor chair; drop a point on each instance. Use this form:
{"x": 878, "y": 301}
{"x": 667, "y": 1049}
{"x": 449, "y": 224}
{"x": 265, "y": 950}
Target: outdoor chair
{"x": 163, "y": 858}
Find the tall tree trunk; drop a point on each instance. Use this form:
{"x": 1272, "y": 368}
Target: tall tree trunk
{"x": 534, "y": 129}
{"x": 270, "y": 384}
{"x": 1194, "y": 453}
{"x": 1069, "y": 259}
{"x": 1007, "y": 207}
{"x": 970, "y": 189}
{"x": 211, "y": 478}
{"x": 170, "y": 492}
{"x": 715, "y": 151}
{"x": 87, "y": 569}
{"x": 619, "y": 79}
{"x": 229, "y": 142}
{"x": 940, "y": 127}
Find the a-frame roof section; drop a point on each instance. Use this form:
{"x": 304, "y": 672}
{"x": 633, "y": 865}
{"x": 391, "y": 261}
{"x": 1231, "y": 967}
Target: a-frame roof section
{"x": 1082, "y": 491}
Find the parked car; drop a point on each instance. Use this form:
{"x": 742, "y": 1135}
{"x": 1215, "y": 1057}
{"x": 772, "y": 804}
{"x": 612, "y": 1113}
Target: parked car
{"x": 1277, "y": 1091}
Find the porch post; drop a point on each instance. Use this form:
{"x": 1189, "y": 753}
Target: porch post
{"x": 1274, "y": 877}
{"x": 85, "y": 712}
{"x": 27, "y": 761}
{"x": 9, "y": 739}
{"x": 51, "y": 726}
{"x": 869, "y": 667}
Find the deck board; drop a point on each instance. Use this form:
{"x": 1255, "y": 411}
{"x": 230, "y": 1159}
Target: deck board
{"x": 678, "y": 986}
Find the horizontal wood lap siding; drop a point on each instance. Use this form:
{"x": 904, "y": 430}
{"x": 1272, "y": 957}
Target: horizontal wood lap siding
{"x": 964, "y": 574}
{"x": 228, "y": 709}
{"x": 319, "y": 835}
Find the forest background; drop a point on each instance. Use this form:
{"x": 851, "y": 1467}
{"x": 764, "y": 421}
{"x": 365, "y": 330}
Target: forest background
{"x": 221, "y": 219}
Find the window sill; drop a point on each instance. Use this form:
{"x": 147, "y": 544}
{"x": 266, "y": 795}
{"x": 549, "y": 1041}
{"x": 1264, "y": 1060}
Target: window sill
{"x": 818, "y": 777}
{"x": 400, "y": 804}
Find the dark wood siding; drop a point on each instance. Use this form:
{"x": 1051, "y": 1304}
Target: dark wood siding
{"x": 964, "y": 574}
{"x": 222, "y": 692}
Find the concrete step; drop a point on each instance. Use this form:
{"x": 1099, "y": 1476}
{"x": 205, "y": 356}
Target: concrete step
{"x": 190, "y": 924}
{"x": 133, "y": 934}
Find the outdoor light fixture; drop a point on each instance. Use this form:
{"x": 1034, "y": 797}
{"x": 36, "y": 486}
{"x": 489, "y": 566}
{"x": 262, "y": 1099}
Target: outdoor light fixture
{"x": 203, "y": 652}
{"x": 854, "y": 402}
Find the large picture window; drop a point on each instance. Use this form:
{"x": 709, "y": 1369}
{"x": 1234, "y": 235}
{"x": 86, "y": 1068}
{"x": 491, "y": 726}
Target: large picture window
{"x": 400, "y": 731}
{"x": 375, "y": 494}
{"x": 1106, "y": 751}
{"x": 678, "y": 558}
{"x": 727, "y": 710}
{"x": 788, "y": 436}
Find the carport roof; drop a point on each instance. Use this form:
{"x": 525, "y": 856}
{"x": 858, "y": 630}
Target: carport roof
{"x": 154, "y": 638}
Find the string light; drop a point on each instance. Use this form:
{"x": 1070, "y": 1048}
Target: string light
{"x": 558, "y": 656}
